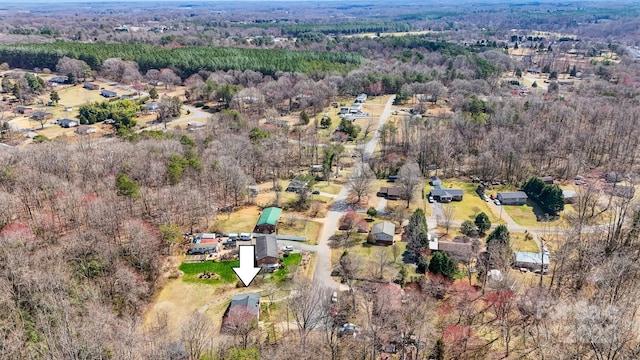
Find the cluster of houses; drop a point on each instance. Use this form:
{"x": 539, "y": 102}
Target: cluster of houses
{"x": 351, "y": 113}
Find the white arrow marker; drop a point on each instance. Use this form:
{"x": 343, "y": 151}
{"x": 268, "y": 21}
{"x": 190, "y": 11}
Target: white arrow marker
{"x": 247, "y": 271}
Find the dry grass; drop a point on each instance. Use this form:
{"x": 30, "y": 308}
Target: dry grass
{"x": 243, "y": 220}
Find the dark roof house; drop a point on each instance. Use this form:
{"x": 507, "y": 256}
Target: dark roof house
{"x": 267, "y": 250}
{"x": 389, "y": 193}
{"x": 90, "y": 86}
{"x": 547, "y": 179}
{"x": 243, "y": 308}
{"x": 67, "y": 123}
{"x": 41, "y": 115}
{"x": 108, "y": 93}
{"x": 446, "y": 195}
{"x": 268, "y": 220}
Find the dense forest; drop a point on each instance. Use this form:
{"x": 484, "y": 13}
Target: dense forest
{"x": 186, "y": 61}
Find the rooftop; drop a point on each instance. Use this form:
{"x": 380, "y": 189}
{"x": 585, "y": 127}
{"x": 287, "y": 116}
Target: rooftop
{"x": 385, "y": 227}
{"x": 266, "y": 246}
{"x": 249, "y": 301}
{"x": 270, "y": 216}
{"x": 513, "y": 195}
{"x": 529, "y": 257}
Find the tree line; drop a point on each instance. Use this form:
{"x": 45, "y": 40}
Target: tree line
{"x": 187, "y": 60}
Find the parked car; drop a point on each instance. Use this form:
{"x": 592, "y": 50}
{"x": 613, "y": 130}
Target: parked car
{"x": 348, "y": 329}
{"x": 315, "y": 192}
{"x": 334, "y": 296}
{"x": 244, "y": 237}
{"x": 496, "y": 201}
{"x": 430, "y": 199}
{"x": 287, "y": 248}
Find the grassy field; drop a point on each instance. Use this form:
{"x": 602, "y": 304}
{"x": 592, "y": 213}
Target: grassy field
{"x": 525, "y": 215}
{"x": 329, "y": 188}
{"x": 519, "y": 243}
{"x": 243, "y": 220}
{"x": 471, "y": 204}
{"x": 224, "y": 269}
{"x": 309, "y": 229}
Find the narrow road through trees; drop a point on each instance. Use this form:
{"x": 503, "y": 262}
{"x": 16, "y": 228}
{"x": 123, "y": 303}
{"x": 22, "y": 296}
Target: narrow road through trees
{"x": 322, "y": 273}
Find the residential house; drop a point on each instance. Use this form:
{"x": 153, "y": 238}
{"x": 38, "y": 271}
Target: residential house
{"x": 570, "y": 196}
{"x": 547, "y": 179}
{"x": 268, "y": 221}
{"x": 108, "y": 93}
{"x": 384, "y": 232}
{"x": 361, "y": 98}
{"x": 86, "y": 130}
{"x": 389, "y": 193}
{"x": 242, "y": 309}
{"x": 296, "y": 185}
{"x": 445, "y": 195}
{"x": 24, "y": 110}
{"x": 152, "y": 106}
{"x": 343, "y": 110}
{"x": 58, "y": 80}
{"x": 41, "y": 115}
{"x": 267, "y": 251}
{"x": 67, "y": 123}
{"x": 613, "y": 177}
{"x": 531, "y": 261}
{"x": 126, "y": 97}
{"x": 355, "y": 108}
{"x": 454, "y": 249}
{"x": 435, "y": 181}
{"x": 90, "y": 86}
{"x": 512, "y": 197}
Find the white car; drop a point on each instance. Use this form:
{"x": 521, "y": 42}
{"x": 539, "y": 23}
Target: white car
{"x": 496, "y": 201}
{"x": 287, "y": 248}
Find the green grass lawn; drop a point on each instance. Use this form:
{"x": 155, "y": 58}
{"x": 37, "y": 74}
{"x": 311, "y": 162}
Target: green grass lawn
{"x": 525, "y": 215}
{"x": 471, "y": 204}
{"x": 518, "y": 243}
{"x": 291, "y": 263}
{"x": 330, "y": 188}
{"x": 224, "y": 269}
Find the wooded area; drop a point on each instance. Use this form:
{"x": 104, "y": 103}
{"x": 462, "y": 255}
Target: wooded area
{"x": 90, "y": 227}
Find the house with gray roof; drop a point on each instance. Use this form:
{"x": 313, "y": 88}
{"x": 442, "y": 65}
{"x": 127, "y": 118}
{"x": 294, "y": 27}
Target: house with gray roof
{"x": 243, "y": 308}
{"x": 512, "y": 197}
{"x": 384, "y": 232}
{"x": 267, "y": 251}
{"x": 530, "y": 260}
{"x": 445, "y": 195}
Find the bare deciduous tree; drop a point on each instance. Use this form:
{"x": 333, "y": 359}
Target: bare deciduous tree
{"x": 308, "y": 304}
{"x": 360, "y": 183}
{"x": 196, "y": 335}
{"x": 409, "y": 177}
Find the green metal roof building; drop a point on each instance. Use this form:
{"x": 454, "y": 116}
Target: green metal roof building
{"x": 268, "y": 220}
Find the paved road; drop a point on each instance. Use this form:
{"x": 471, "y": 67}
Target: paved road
{"x": 322, "y": 274}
